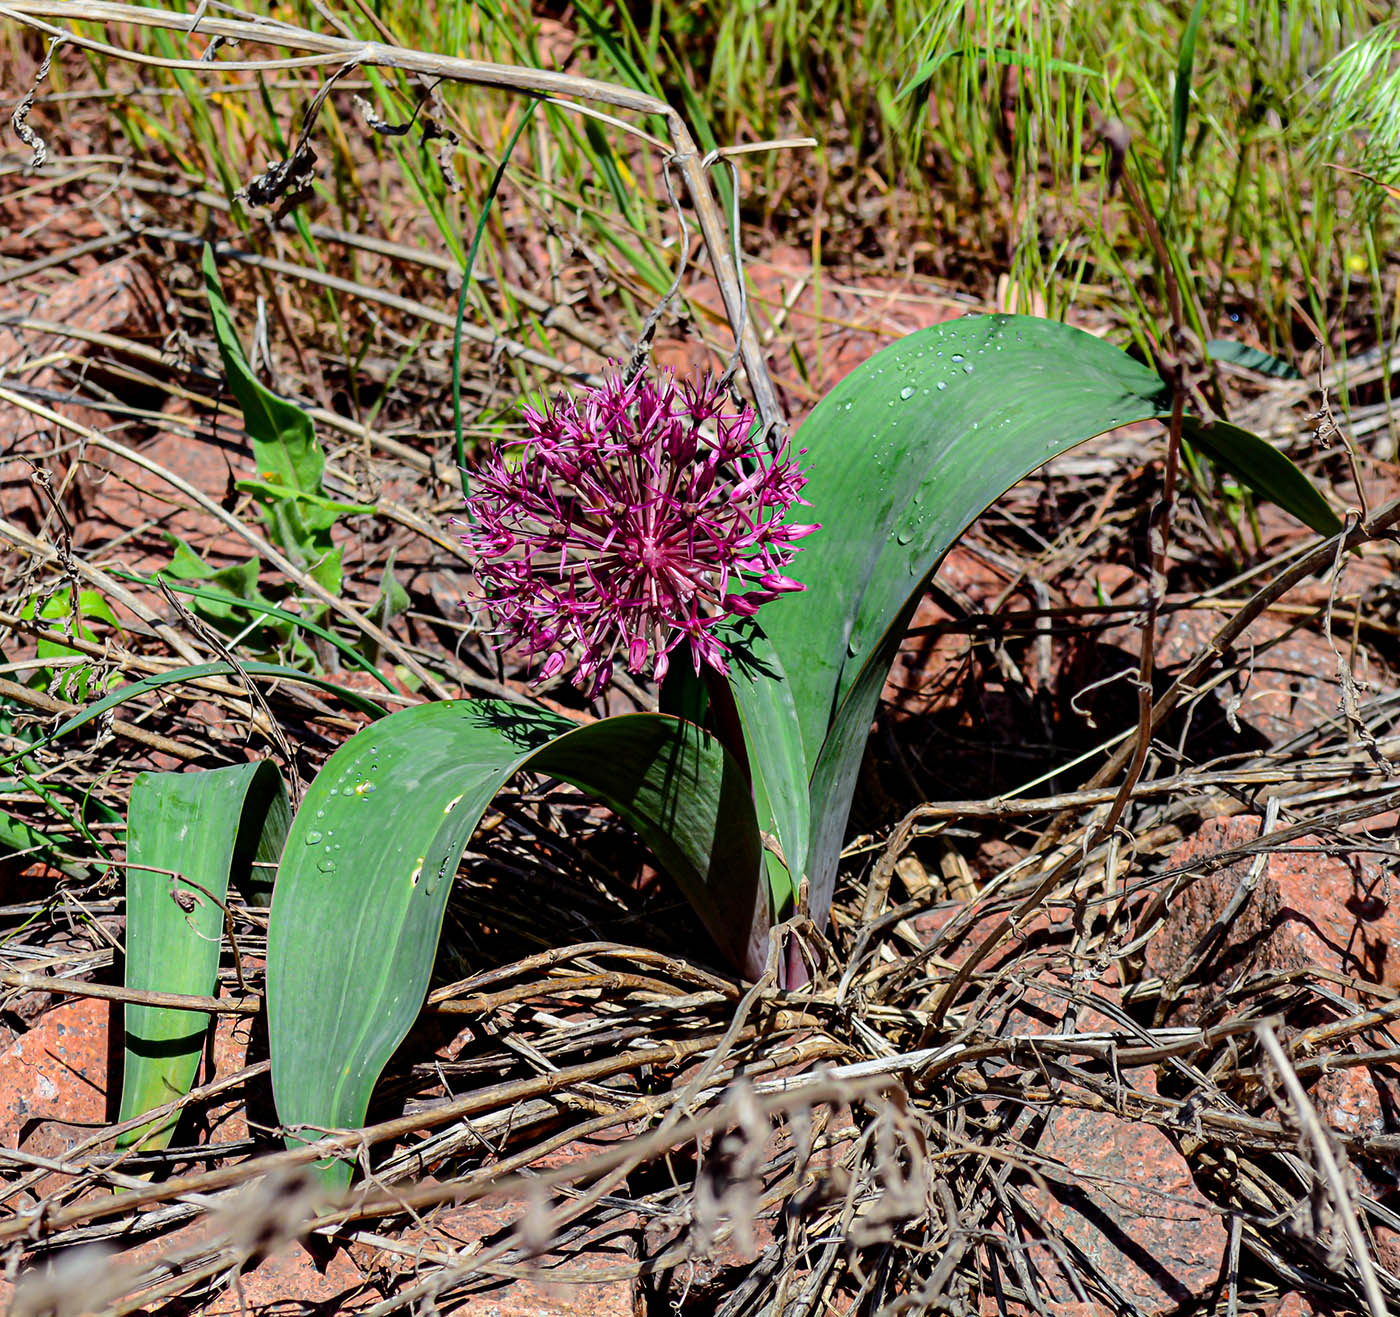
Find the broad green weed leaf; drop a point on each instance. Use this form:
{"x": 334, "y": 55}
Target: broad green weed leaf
{"x": 205, "y": 827}
{"x": 373, "y": 850}
{"x": 777, "y": 761}
{"x": 903, "y": 455}
{"x": 224, "y": 605}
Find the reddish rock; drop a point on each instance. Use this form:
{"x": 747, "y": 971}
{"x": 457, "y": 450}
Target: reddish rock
{"x": 1307, "y": 909}
{"x": 291, "y": 1280}
{"x": 227, "y": 1119}
{"x": 839, "y": 322}
{"x": 1364, "y": 1101}
{"x": 53, "y": 1082}
{"x": 1119, "y": 1190}
{"x": 468, "y": 1229}
{"x": 1044, "y": 929}
{"x": 1294, "y": 1305}
{"x": 120, "y": 298}
{"x": 991, "y": 1306}
{"x": 472, "y": 1227}
{"x": 1283, "y": 679}
{"x": 120, "y": 494}
{"x": 1287, "y": 682}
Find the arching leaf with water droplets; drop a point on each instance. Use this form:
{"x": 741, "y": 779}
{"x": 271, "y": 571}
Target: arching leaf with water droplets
{"x": 903, "y": 455}
{"x": 375, "y": 845}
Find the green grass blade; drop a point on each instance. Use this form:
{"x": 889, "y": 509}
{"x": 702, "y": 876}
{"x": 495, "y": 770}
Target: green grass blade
{"x": 1181, "y": 99}
{"x": 465, "y": 290}
{"x": 373, "y": 850}
{"x": 206, "y": 828}
{"x": 257, "y": 605}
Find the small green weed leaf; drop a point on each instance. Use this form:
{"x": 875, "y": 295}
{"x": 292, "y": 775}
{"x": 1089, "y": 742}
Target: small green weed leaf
{"x": 1255, "y": 359}
{"x": 224, "y": 608}
{"x": 903, "y": 455}
{"x": 318, "y": 508}
{"x": 74, "y": 682}
{"x": 393, "y": 601}
{"x": 228, "y": 592}
{"x": 375, "y": 846}
{"x": 206, "y": 828}
{"x": 18, "y": 838}
{"x": 289, "y": 458}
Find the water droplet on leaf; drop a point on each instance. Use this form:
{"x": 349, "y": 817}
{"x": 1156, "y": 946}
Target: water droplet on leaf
{"x": 326, "y": 866}
{"x": 313, "y": 837}
{"x": 907, "y": 392}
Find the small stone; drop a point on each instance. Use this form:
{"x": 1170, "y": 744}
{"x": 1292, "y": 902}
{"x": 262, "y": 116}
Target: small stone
{"x": 1307, "y": 909}
{"x": 1122, "y": 1193}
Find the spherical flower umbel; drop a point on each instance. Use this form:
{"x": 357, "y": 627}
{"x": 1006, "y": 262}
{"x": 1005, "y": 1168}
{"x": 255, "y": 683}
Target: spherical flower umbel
{"x": 632, "y": 518}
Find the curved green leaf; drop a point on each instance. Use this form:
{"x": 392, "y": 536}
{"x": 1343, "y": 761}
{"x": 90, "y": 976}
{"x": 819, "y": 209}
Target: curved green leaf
{"x": 1262, "y": 468}
{"x": 374, "y": 847}
{"x": 203, "y": 827}
{"x": 219, "y": 668}
{"x": 903, "y": 455}
{"x": 1248, "y": 358}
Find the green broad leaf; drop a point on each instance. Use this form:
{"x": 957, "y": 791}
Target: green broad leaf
{"x": 1262, "y": 468}
{"x": 226, "y": 589}
{"x": 286, "y": 450}
{"x": 903, "y": 455}
{"x": 374, "y": 848}
{"x": 1248, "y": 358}
{"x": 188, "y": 834}
{"x": 777, "y": 761}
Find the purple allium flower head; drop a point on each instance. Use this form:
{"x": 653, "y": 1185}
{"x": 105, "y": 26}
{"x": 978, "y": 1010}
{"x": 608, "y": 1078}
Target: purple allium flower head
{"x": 632, "y": 518}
